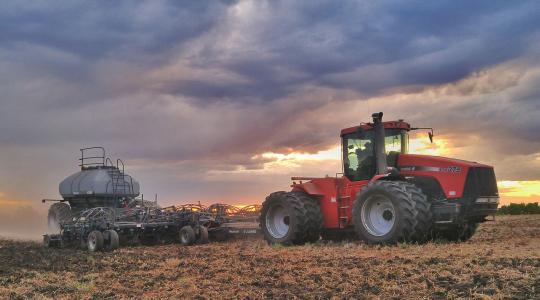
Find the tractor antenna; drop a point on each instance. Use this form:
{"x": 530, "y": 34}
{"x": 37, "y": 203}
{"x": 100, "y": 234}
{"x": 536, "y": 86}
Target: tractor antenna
{"x": 380, "y": 153}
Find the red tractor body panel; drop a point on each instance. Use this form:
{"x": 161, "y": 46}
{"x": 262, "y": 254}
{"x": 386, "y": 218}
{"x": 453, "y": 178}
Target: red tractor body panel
{"x": 337, "y": 194}
{"x": 326, "y": 192}
{"x": 450, "y": 173}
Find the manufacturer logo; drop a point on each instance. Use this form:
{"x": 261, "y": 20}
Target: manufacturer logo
{"x": 451, "y": 169}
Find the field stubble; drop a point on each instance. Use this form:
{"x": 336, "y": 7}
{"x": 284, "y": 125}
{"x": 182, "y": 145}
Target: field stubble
{"x": 501, "y": 261}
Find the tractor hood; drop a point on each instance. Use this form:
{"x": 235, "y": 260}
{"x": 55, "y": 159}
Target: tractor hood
{"x": 435, "y": 161}
{"x": 449, "y": 172}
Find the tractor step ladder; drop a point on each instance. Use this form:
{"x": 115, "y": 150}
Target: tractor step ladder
{"x": 343, "y": 208}
{"x": 121, "y": 183}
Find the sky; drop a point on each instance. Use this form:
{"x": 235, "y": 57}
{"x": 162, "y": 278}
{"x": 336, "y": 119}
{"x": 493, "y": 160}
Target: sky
{"x": 224, "y": 101}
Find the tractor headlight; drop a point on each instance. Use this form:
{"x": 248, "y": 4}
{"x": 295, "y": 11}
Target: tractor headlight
{"x": 488, "y": 200}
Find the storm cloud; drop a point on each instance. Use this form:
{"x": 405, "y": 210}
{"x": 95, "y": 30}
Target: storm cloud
{"x": 182, "y": 89}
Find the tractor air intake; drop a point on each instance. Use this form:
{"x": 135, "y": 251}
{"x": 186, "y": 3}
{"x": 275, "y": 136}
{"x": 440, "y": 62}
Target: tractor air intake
{"x": 380, "y": 152}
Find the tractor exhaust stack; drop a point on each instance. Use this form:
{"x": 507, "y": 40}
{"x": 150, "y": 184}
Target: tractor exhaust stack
{"x": 380, "y": 152}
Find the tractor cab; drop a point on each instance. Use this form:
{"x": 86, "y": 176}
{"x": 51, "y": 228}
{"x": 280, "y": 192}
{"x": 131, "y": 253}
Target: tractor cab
{"x": 359, "y": 155}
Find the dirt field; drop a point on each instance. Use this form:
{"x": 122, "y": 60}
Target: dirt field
{"x": 501, "y": 261}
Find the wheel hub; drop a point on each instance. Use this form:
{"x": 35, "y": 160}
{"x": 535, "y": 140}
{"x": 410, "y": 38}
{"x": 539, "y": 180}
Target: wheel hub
{"x": 277, "y": 221}
{"x": 91, "y": 242}
{"x": 378, "y": 215}
{"x": 388, "y": 215}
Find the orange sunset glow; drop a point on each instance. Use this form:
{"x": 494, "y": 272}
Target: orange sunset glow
{"x": 509, "y": 190}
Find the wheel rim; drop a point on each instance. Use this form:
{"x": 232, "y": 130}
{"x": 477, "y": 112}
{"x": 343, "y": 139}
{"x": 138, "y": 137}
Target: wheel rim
{"x": 92, "y": 242}
{"x": 378, "y": 215}
{"x": 184, "y": 239}
{"x": 277, "y": 221}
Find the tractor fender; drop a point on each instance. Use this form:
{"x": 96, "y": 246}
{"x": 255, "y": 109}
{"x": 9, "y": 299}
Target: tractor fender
{"x": 379, "y": 177}
{"x": 428, "y": 184}
{"x": 393, "y": 174}
{"x": 309, "y": 188}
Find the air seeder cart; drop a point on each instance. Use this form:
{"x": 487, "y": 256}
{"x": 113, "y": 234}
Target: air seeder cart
{"x": 100, "y": 210}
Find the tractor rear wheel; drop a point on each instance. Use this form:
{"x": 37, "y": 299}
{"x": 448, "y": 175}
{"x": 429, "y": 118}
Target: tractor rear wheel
{"x": 384, "y": 213}
{"x": 59, "y": 213}
{"x": 290, "y": 218}
{"x": 424, "y": 216}
{"x": 95, "y": 241}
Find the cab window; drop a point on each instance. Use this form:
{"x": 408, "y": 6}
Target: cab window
{"x": 359, "y": 162}
{"x": 396, "y": 140}
{"x": 359, "y": 156}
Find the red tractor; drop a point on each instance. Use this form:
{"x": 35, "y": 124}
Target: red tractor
{"x": 384, "y": 194}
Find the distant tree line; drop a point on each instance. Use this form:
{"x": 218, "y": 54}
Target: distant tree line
{"x": 519, "y": 209}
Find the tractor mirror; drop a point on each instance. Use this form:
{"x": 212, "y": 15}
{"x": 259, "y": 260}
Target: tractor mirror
{"x": 430, "y": 134}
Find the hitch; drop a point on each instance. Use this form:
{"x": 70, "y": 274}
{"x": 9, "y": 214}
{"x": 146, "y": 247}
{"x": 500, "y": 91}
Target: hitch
{"x": 52, "y": 200}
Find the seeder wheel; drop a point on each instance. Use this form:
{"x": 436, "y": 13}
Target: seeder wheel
{"x": 111, "y": 240}
{"x": 202, "y": 234}
{"x": 95, "y": 241}
{"x": 187, "y": 235}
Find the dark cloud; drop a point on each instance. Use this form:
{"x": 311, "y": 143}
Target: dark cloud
{"x": 95, "y": 30}
{"x": 276, "y": 46}
{"x": 371, "y": 47}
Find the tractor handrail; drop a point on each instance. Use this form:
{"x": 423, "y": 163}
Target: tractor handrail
{"x": 97, "y": 160}
{"x": 118, "y": 163}
{"x": 109, "y": 160}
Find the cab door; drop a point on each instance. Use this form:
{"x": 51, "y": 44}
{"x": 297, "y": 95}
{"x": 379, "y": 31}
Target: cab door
{"x": 358, "y": 157}
{"x": 358, "y": 168}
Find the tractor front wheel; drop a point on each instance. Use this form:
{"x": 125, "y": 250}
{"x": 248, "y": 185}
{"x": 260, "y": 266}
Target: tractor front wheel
{"x": 290, "y": 218}
{"x": 384, "y": 213}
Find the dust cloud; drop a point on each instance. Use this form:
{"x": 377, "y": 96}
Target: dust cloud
{"x": 22, "y": 222}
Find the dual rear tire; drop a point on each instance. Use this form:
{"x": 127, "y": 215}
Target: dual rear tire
{"x": 190, "y": 235}
{"x": 384, "y": 212}
{"x": 290, "y": 218}
{"x": 107, "y": 240}
{"x": 388, "y": 212}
